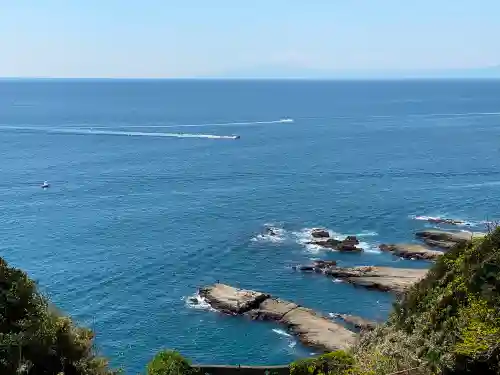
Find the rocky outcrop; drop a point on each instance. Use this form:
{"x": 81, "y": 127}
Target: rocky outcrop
{"x": 330, "y": 243}
{"x": 445, "y": 240}
{"x": 320, "y": 233}
{"x": 443, "y": 220}
{"x": 356, "y": 321}
{"x": 380, "y": 278}
{"x": 232, "y": 301}
{"x": 411, "y": 251}
{"x": 316, "y": 266}
{"x": 310, "y": 327}
{"x": 348, "y": 244}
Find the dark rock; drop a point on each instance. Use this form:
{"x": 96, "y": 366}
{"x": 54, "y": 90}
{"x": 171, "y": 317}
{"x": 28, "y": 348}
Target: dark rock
{"x": 348, "y": 244}
{"x": 271, "y": 231}
{"x": 351, "y": 240}
{"x": 305, "y": 268}
{"x": 330, "y": 243}
{"x": 348, "y": 247}
{"x": 441, "y": 235}
{"x": 411, "y": 251}
{"x": 316, "y": 266}
{"x": 324, "y": 263}
{"x": 320, "y": 233}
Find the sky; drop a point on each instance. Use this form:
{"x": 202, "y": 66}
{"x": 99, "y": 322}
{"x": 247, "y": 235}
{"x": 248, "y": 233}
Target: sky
{"x": 217, "y": 38}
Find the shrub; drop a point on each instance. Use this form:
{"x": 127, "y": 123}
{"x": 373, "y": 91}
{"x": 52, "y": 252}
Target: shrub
{"x": 34, "y": 339}
{"x": 453, "y": 315}
{"x": 335, "y": 363}
{"x": 169, "y": 363}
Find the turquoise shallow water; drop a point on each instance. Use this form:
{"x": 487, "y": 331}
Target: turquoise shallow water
{"x": 134, "y": 222}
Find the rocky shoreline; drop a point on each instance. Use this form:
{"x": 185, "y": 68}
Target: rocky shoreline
{"x": 445, "y": 240}
{"x": 314, "y": 329}
{"x": 311, "y": 328}
{"x": 411, "y": 251}
{"x": 386, "y": 279}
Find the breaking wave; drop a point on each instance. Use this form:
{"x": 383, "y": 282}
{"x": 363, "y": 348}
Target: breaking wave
{"x": 272, "y": 233}
{"x": 303, "y": 237}
{"x": 442, "y": 220}
{"x": 197, "y": 302}
{"x": 291, "y": 340}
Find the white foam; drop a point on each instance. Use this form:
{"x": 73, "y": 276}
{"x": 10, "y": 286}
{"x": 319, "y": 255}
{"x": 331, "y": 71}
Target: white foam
{"x": 424, "y": 217}
{"x": 152, "y": 126}
{"x": 198, "y": 302}
{"x": 367, "y": 234}
{"x": 280, "y": 235}
{"x": 482, "y": 184}
{"x": 369, "y": 248}
{"x": 281, "y": 332}
{"x": 291, "y": 340}
{"x": 461, "y": 223}
{"x": 304, "y": 236}
{"x": 81, "y": 131}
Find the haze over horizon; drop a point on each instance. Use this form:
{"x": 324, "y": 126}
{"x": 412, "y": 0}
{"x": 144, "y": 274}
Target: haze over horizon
{"x": 283, "y": 39}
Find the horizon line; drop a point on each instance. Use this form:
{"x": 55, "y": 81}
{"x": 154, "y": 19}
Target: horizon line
{"x": 367, "y": 78}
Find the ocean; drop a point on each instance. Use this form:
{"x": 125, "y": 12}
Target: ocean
{"x": 150, "y": 200}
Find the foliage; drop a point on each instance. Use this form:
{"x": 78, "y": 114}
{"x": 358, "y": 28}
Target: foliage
{"x": 386, "y": 351}
{"x": 335, "y": 363}
{"x": 169, "y": 363}
{"x": 36, "y": 340}
{"x": 453, "y": 315}
{"x": 449, "y": 323}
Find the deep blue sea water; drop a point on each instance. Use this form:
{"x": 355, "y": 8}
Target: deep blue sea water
{"x": 133, "y": 224}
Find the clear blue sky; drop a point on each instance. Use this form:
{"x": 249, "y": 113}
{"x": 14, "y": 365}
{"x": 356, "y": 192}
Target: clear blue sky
{"x": 162, "y": 38}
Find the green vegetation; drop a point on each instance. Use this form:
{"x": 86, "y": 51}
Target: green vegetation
{"x": 34, "y": 339}
{"x": 169, "y": 363}
{"x": 337, "y": 362}
{"x": 449, "y": 323}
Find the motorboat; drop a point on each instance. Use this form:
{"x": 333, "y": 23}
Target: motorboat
{"x": 45, "y": 185}
{"x": 286, "y": 119}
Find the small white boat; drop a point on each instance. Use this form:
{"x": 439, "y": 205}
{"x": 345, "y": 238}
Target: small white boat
{"x": 286, "y": 119}
{"x": 45, "y": 185}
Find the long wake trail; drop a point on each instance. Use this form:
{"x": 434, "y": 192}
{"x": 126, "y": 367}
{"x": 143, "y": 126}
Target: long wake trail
{"x": 248, "y": 123}
{"x": 90, "y": 131}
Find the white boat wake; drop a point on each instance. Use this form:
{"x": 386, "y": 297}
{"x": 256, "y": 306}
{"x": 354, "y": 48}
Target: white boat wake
{"x": 91, "y": 131}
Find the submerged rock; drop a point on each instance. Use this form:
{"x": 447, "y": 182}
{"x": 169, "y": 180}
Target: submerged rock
{"x": 312, "y": 328}
{"x": 411, "y": 251}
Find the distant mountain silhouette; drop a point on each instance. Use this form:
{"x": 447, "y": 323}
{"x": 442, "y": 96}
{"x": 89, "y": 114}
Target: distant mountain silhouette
{"x": 291, "y": 72}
